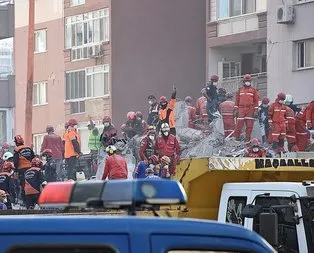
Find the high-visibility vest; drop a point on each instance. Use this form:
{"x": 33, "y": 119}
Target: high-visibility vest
{"x": 94, "y": 142}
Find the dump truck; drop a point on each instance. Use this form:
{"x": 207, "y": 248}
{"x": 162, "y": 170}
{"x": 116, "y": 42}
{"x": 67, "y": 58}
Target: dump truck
{"x": 246, "y": 191}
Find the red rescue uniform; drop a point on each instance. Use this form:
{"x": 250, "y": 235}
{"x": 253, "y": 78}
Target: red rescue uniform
{"x": 192, "y": 116}
{"x": 246, "y": 103}
{"x": 226, "y": 109}
{"x": 310, "y": 115}
{"x": 115, "y": 168}
{"x": 169, "y": 147}
{"x": 301, "y": 131}
{"x": 201, "y": 104}
{"x": 291, "y": 132}
{"x": 147, "y": 148}
{"x": 277, "y": 119}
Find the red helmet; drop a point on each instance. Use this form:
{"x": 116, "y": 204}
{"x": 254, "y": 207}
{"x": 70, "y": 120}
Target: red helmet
{"x": 222, "y": 91}
{"x": 188, "y": 99}
{"x": 154, "y": 159}
{"x": 5, "y": 146}
{"x": 8, "y": 166}
{"x": 247, "y": 77}
{"x": 131, "y": 115}
{"x": 165, "y": 159}
{"x": 265, "y": 101}
{"x": 19, "y": 140}
{"x": 106, "y": 119}
{"x": 47, "y": 151}
{"x": 163, "y": 99}
{"x": 281, "y": 96}
{"x": 139, "y": 114}
{"x": 214, "y": 78}
{"x": 255, "y": 142}
{"x": 36, "y": 162}
{"x": 72, "y": 122}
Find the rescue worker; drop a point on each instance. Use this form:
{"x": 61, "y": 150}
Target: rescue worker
{"x": 222, "y": 95}
{"x": 22, "y": 159}
{"x": 164, "y": 167}
{"x": 4, "y": 148}
{"x": 255, "y": 150}
{"x": 226, "y": 110}
{"x": 150, "y": 174}
{"x": 49, "y": 165}
{"x": 191, "y": 112}
{"x": 147, "y": 145}
{"x": 168, "y": 145}
{"x": 291, "y": 132}
{"x": 246, "y": 108}
{"x": 8, "y": 157}
{"x": 3, "y": 200}
{"x": 116, "y": 166}
{"x": 166, "y": 112}
{"x": 34, "y": 181}
{"x": 263, "y": 118}
{"x": 152, "y": 119}
{"x": 7, "y": 183}
{"x": 139, "y": 117}
{"x": 212, "y": 97}
{"x": 310, "y": 116}
{"x": 277, "y": 115}
{"x": 201, "y": 105}
{"x": 94, "y": 143}
{"x": 289, "y": 103}
{"x": 301, "y": 131}
{"x": 53, "y": 142}
{"x": 133, "y": 126}
{"x": 140, "y": 169}
{"x": 72, "y": 148}
{"x": 109, "y": 134}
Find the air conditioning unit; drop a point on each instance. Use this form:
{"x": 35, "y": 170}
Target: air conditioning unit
{"x": 285, "y": 14}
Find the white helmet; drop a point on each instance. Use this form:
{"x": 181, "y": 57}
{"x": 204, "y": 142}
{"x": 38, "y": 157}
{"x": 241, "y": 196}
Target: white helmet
{"x": 289, "y": 99}
{"x": 111, "y": 149}
{"x": 7, "y": 156}
{"x": 165, "y": 127}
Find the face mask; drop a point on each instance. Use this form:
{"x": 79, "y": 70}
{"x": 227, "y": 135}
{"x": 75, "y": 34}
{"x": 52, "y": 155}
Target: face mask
{"x": 166, "y": 167}
{"x": 138, "y": 118}
{"x": 152, "y": 137}
{"x": 44, "y": 158}
{"x": 255, "y": 150}
{"x": 150, "y": 102}
{"x": 75, "y": 127}
{"x": 247, "y": 83}
{"x": 106, "y": 124}
{"x": 166, "y": 133}
{"x": 151, "y": 166}
{"x": 281, "y": 102}
{"x": 215, "y": 83}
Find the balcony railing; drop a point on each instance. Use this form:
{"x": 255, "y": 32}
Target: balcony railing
{"x": 259, "y": 80}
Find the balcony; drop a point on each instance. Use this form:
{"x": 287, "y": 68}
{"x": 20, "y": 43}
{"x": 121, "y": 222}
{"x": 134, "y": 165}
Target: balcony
{"x": 259, "y": 81}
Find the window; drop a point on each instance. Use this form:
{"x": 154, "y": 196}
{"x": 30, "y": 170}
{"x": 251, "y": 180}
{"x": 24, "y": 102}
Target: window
{"x": 40, "y": 93}
{"x": 92, "y": 82}
{"x": 229, "y": 69}
{"x": 86, "y": 31}
{"x": 234, "y": 210}
{"x": 305, "y": 54}
{"x": 231, "y": 8}
{"x": 77, "y": 2}
{"x": 77, "y": 107}
{"x": 37, "y": 141}
{"x": 287, "y": 233}
{"x": 40, "y": 41}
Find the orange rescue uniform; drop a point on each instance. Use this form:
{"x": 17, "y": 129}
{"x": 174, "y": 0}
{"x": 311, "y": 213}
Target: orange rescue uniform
{"x": 192, "y": 116}
{"x": 277, "y": 114}
{"x": 291, "y": 132}
{"x": 70, "y": 134}
{"x": 310, "y": 115}
{"x": 301, "y": 132}
{"x": 226, "y": 109}
{"x": 201, "y": 104}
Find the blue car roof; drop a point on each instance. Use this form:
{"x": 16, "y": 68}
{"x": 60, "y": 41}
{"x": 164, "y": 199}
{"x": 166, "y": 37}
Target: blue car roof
{"x": 122, "y": 224}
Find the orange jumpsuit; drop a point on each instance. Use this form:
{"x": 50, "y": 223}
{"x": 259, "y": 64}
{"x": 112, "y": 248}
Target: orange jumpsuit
{"x": 246, "y": 103}
{"x": 277, "y": 119}
{"x": 201, "y": 104}
{"x": 226, "y": 109}
{"x": 192, "y": 116}
{"x": 310, "y": 115}
{"x": 301, "y": 132}
{"x": 291, "y": 132}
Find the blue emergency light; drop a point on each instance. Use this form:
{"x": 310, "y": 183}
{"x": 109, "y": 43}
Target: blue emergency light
{"x": 113, "y": 193}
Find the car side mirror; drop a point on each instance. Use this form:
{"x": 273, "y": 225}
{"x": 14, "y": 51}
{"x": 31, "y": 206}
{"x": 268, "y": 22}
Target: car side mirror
{"x": 268, "y": 227}
{"x": 251, "y": 211}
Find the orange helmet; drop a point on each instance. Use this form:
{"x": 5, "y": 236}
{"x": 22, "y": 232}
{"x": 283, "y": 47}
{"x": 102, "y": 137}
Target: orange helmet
{"x": 47, "y": 152}
{"x": 36, "y": 162}
{"x": 131, "y": 115}
{"x": 247, "y": 77}
{"x": 188, "y": 99}
{"x": 106, "y": 119}
{"x": 8, "y": 166}
{"x": 281, "y": 96}
{"x": 18, "y": 139}
{"x": 72, "y": 122}
{"x": 214, "y": 78}
{"x": 154, "y": 159}
{"x": 165, "y": 159}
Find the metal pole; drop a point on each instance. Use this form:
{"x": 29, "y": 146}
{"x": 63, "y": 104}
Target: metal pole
{"x": 30, "y": 75}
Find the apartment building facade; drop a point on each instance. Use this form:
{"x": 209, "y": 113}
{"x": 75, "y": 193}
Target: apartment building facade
{"x": 236, "y": 35}
{"x": 102, "y": 57}
{"x": 291, "y": 49}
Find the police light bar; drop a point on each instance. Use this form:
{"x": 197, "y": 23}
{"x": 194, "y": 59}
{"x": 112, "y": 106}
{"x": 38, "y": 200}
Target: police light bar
{"x": 113, "y": 193}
